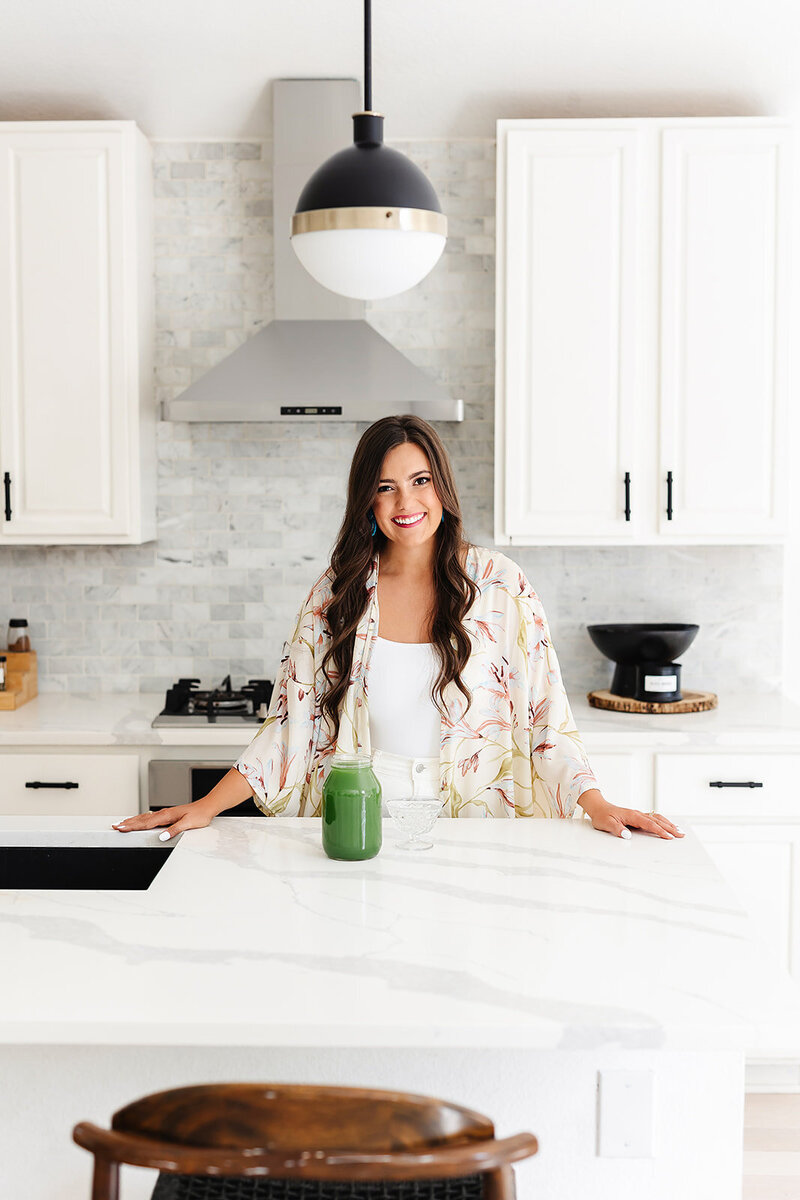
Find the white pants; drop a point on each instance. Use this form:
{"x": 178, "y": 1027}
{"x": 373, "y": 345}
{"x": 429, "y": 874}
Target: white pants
{"x": 405, "y": 778}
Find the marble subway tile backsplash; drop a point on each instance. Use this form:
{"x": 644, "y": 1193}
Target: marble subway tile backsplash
{"x": 247, "y": 513}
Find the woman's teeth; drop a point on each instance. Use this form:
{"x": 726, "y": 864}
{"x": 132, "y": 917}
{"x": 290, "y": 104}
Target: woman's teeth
{"x": 406, "y": 521}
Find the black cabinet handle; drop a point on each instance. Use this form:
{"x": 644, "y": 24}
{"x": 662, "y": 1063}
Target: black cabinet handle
{"x": 7, "y": 486}
{"x": 36, "y": 783}
{"x": 627, "y": 495}
{"x": 749, "y": 783}
{"x": 669, "y": 495}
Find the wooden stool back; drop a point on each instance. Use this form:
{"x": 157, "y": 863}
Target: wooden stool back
{"x": 291, "y": 1131}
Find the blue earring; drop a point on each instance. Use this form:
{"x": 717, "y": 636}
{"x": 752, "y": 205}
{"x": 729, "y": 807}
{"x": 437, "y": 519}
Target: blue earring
{"x": 373, "y": 524}
{"x": 442, "y": 520}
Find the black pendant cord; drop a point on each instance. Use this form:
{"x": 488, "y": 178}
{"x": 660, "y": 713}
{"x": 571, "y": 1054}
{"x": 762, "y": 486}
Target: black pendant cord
{"x": 367, "y": 56}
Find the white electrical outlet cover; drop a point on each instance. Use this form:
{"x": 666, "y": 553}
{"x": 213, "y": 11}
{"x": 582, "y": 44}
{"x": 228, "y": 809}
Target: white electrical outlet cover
{"x": 625, "y": 1114}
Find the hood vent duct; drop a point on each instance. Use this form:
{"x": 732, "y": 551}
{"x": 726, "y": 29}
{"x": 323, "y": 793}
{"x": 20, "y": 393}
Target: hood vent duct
{"x": 319, "y": 359}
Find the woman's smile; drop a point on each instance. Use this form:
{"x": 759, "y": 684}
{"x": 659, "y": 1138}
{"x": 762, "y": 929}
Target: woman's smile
{"x": 408, "y": 522}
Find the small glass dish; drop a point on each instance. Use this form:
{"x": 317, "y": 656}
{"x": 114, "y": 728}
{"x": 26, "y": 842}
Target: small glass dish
{"x": 415, "y": 817}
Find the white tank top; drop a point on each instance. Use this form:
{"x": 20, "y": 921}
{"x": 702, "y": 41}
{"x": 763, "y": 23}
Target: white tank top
{"x": 402, "y": 716}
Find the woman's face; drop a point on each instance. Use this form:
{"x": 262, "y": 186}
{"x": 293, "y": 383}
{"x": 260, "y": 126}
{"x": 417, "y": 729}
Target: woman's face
{"x": 406, "y": 506}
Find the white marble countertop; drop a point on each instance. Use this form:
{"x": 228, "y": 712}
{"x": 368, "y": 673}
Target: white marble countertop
{"x": 540, "y": 934}
{"x": 742, "y": 721}
{"x": 110, "y": 719}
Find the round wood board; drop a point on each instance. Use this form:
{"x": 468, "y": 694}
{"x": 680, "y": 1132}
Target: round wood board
{"x": 691, "y": 702}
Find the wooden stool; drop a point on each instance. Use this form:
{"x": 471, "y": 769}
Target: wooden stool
{"x": 259, "y": 1141}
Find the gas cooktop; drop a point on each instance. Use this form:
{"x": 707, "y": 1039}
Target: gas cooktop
{"x": 187, "y": 704}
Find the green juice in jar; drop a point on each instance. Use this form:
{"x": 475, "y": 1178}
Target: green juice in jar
{"x": 351, "y": 809}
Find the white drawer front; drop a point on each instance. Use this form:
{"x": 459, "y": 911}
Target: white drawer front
{"x": 685, "y": 785}
{"x": 106, "y": 784}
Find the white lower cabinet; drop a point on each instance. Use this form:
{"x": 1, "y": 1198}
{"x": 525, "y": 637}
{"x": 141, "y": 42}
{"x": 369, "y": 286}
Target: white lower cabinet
{"x": 69, "y": 784}
{"x": 624, "y": 779}
{"x": 745, "y": 811}
{"x": 760, "y": 862}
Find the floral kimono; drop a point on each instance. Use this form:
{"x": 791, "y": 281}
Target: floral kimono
{"x": 513, "y": 751}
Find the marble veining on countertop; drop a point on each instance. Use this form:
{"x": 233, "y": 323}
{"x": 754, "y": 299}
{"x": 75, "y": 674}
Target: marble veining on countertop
{"x": 539, "y": 934}
{"x": 741, "y": 722}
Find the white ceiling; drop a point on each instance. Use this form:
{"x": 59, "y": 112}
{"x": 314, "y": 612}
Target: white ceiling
{"x": 442, "y": 68}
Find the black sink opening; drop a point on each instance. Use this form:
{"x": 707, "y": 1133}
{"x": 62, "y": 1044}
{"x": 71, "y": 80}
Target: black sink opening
{"x": 84, "y": 868}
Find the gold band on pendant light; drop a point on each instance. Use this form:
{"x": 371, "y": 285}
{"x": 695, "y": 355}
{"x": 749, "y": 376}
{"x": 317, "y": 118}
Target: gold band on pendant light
{"x": 407, "y": 220}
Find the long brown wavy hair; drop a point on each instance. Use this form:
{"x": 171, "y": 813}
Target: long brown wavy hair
{"x": 352, "y": 556}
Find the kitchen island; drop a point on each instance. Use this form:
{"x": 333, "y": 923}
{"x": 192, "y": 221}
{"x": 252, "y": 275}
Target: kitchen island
{"x": 515, "y": 968}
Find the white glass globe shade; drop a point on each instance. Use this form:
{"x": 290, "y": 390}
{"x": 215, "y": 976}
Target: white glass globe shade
{"x": 368, "y": 264}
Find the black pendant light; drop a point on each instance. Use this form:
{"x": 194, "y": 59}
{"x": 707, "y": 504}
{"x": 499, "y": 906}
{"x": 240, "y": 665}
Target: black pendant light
{"x": 368, "y": 223}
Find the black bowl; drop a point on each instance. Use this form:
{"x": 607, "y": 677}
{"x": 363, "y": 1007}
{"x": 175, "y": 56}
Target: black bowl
{"x": 634, "y": 645}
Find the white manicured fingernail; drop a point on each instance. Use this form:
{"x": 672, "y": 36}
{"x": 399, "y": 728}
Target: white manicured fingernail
{"x": 626, "y": 833}
{"x": 679, "y": 829}
{"x": 164, "y": 837}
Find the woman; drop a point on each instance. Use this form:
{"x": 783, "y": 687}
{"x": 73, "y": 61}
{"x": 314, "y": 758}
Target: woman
{"x": 430, "y": 652}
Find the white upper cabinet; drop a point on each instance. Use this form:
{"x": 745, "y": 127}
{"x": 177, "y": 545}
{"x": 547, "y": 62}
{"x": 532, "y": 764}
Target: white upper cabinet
{"x": 570, "y": 268}
{"x": 724, "y": 253}
{"x": 77, "y": 409}
{"x": 642, "y": 304}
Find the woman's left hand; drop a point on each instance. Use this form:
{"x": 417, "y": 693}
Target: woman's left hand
{"x": 611, "y": 819}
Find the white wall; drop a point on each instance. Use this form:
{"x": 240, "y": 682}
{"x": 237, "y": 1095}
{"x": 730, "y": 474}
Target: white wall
{"x": 448, "y": 69}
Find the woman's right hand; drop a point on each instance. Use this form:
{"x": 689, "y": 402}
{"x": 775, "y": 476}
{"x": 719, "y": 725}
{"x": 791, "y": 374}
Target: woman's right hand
{"x": 178, "y": 819}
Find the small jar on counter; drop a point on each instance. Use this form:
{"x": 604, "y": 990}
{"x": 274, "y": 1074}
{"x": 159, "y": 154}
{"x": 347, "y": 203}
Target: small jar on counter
{"x": 2, "y": 672}
{"x": 19, "y": 641}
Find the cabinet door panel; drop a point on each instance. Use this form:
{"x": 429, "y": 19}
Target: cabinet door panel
{"x": 760, "y": 864}
{"x": 567, "y": 356}
{"x": 63, "y": 434}
{"x": 624, "y": 779}
{"x": 724, "y": 252}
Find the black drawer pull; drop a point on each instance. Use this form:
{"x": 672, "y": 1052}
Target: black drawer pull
{"x": 669, "y": 495}
{"x": 719, "y": 783}
{"x": 36, "y": 783}
{"x": 627, "y": 495}
{"x": 7, "y": 489}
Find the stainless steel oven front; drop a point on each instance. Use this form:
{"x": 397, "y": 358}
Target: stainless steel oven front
{"x": 180, "y": 781}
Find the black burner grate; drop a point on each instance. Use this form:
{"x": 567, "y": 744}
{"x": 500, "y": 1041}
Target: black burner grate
{"x": 185, "y": 698}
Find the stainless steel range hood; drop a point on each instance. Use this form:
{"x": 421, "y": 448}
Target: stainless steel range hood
{"x": 319, "y": 360}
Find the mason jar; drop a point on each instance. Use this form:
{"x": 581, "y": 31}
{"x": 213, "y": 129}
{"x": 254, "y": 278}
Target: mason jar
{"x": 351, "y": 809}
{"x": 18, "y": 640}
